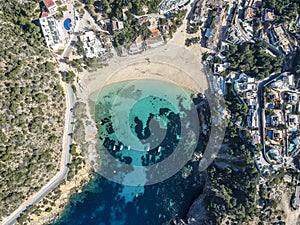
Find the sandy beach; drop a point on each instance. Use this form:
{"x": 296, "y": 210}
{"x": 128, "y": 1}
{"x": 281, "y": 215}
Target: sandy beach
{"x": 173, "y": 63}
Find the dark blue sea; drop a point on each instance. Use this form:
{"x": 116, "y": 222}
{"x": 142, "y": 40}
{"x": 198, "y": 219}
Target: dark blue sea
{"x": 125, "y": 190}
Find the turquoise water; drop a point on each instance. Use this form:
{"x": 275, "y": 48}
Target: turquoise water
{"x": 141, "y": 125}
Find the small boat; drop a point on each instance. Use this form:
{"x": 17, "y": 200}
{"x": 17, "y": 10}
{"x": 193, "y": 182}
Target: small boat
{"x": 128, "y": 147}
{"x": 114, "y": 148}
{"x": 159, "y": 148}
{"x": 121, "y": 147}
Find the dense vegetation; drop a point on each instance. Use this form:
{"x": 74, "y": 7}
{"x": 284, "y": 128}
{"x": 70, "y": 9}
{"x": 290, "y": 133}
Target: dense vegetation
{"x": 285, "y": 10}
{"x": 114, "y": 8}
{"x": 252, "y": 59}
{"x": 32, "y": 106}
{"x": 130, "y": 12}
{"x": 130, "y": 32}
{"x": 233, "y": 191}
{"x": 296, "y": 63}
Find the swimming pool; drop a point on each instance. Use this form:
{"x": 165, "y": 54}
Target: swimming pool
{"x": 67, "y": 24}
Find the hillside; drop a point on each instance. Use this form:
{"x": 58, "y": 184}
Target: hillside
{"x": 32, "y": 106}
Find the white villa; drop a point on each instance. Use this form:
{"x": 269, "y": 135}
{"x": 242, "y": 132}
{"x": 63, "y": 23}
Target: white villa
{"x": 91, "y": 44}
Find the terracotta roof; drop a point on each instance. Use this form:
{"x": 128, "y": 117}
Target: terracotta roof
{"x": 44, "y": 14}
{"x": 139, "y": 39}
{"x": 141, "y": 20}
{"x": 155, "y": 32}
{"x": 114, "y": 24}
{"x": 49, "y": 3}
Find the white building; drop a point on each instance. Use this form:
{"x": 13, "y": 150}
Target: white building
{"x": 154, "y": 42}
{"x": 219, "y": 68}
{"x": 91, "y": 44}
{"x": 53, "y": 32}
{"x": 277, "y": 84}
{"x": 168, "y": 5}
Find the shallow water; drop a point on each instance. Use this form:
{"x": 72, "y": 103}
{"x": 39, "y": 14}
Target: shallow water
{"x": 141, "y": 124}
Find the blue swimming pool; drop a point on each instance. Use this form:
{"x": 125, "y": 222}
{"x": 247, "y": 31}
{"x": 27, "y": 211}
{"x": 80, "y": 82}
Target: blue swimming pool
{"x": 67, "y": 24}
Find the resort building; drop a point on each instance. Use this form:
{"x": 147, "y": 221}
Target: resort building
{"x": 53, "y": 32}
